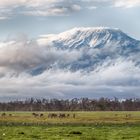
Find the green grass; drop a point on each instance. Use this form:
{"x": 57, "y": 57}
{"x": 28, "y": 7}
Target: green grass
{"x": 99, "y": 132}
{"x": 86, "y": 126}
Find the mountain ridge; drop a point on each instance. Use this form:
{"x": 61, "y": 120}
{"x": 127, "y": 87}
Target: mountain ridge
{"x": 96, "y": 45}
{"x": 79, "y": 62}
{"x": 91, "y": 37}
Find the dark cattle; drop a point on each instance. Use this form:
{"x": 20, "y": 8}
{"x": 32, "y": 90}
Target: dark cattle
{"x": 74, "y": 115}
{"x": 61, "y": 115}
{"x": 52, "y": 115}
{"x": 3, "y": 114}
{"x": 35, "y": 114}
{"x": 10, "y": 115}
{"x": 68, "y": 115}
{"x": 41, "y": 115}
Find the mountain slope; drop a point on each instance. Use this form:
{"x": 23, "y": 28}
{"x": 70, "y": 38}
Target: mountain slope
{"x": 99, "y": 37}
{"x": 82, "y": 62}
{"x": 95, "y": 45}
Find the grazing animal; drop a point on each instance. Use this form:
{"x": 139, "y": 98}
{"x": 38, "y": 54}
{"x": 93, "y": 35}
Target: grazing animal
{"x": 74, "y": 115}
{"x": 3, "y": 114}
{"x": 61, "y": 115}
{"x": 35, "y": 114}
{"x": 52, "y": 115}
{"x": 41, "y": 115}
{"x": 68, "y": 115}
{"x": 10, "y": 115}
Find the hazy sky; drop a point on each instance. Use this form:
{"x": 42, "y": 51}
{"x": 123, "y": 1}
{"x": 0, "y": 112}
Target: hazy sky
{"x": 36, "y": 17}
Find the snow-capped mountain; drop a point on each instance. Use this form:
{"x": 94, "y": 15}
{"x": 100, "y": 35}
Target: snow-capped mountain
{"x": 79, "y": 62}
{"x": 96, "y": 45}
{"x": 99, "y": 37}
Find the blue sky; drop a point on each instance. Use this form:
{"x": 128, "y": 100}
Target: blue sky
{"x": 37, "y": 17}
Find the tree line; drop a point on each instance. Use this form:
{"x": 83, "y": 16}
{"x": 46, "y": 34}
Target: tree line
{"x": 83, "y": 104}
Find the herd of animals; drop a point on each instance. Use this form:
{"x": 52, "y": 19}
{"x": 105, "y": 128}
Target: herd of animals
{"x": 50, "y": 115}
{"x": 55, "y": 115}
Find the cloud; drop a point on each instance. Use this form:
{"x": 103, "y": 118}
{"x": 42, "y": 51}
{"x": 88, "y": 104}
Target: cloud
{"x": 48, "y": 12}
{"x": 44, "y": 8}
{"x": 29, "y": 69}
{"x": 38, "y": 8}
{"x": 25, "y": 56}
{"x": 67, "y": 84}
{"x": 127, "y": 3}
{"x": 4, "y": 3}
{"x": 5, "y": 13}
{"x": 92, "y": 7}
{"x": 54, "y": 10}
{"x": 114, "y": 3}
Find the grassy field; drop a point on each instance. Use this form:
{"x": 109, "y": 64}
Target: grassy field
{"x": 80, "y": 117}
{"x": 85, "y": 126}
{"x": 99, "y": 132}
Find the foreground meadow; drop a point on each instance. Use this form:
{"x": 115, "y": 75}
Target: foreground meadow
{"x": 83, "y": 126}
{"x": 92, "y": 132}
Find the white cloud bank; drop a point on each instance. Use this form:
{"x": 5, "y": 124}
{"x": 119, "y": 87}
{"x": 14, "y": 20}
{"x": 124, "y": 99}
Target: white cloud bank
{"x": 30, "y": 70}
{"x": 45, "y": 8}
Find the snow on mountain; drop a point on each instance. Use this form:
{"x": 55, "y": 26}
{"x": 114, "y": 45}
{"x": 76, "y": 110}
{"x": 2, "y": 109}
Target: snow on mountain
{"x": 96, "y": 46}
{"x": 84, "y": 49}
{"x": 98, "y": 37}
{"x": 82, "y": 62}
